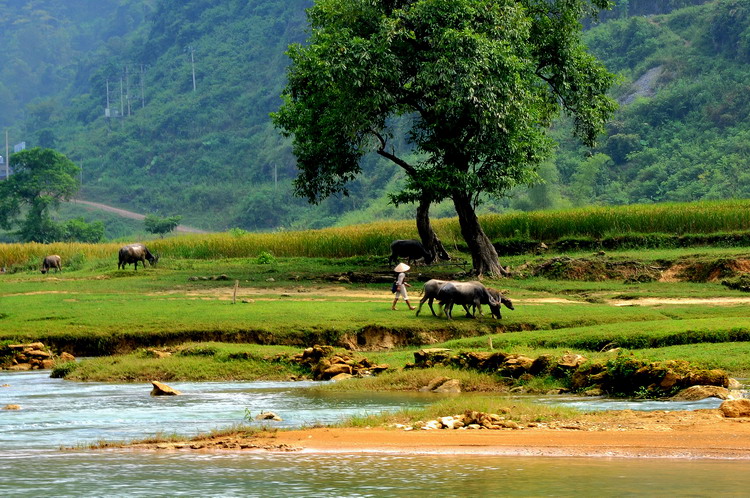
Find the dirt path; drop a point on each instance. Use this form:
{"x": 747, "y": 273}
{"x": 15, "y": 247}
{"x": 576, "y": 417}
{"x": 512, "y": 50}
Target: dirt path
{"x": 680, "y": 434}
{"x": 131, "y": 215}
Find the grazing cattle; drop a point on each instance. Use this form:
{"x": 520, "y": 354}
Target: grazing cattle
{"x": 410, "y": 249}
{"x": 134, "y": 253}
{"x": 500, "y": 298}
{"x": 50, "y": 262}
{"x": 430, "y": 293}
{"x": 467, "y": 294}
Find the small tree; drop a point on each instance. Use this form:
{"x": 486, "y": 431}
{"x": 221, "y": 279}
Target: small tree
{"x": 41, "y": 179}
{"x": 158, "y": 225}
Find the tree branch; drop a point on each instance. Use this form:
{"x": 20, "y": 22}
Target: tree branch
{"x": 410, "y": 170}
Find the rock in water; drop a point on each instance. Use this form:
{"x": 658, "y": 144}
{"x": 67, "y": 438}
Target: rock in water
{"x": 163, "y": 389}
{"x": 697, "y": 393}
{"x": 268, "y": 416}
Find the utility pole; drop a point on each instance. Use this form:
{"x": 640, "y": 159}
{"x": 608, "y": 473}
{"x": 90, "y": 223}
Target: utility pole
{"x": 192, "y": 63}
{"x": 127, "y": 88}
{"x": 7, "y": 156}
{"x": 143, "y": 98}
{"x": 122, "y": 105}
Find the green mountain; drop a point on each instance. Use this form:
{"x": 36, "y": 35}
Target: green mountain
{"x": 165, "y": 107}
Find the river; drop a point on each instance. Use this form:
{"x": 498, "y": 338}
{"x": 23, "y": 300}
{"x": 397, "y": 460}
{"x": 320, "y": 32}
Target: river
{"x": 57, "y": 413}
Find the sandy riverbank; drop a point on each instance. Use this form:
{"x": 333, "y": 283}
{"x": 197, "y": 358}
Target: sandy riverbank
{"x": 683, "y": 434}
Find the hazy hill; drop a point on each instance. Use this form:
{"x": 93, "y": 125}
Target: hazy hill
{"x": 206, "y": 150}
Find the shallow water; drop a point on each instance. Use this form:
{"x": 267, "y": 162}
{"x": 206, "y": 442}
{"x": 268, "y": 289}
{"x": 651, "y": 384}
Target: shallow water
{"x": 56, "y": 412}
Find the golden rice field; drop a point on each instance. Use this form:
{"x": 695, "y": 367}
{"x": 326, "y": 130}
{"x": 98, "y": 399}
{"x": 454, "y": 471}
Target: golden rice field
{"x": 375, "y": 238}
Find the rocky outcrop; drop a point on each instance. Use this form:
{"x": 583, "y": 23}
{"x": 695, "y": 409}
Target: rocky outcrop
{"x": 325, "y": 365}
{"x": 161, "y": 389}
{"x": 621, "y": 376}
{"x": 697, "y": 393}
{"x": 442, "y": 385}
{"x": 470, "y": 420}
{"x": 31, "y": 356}
{"x": 12, "y": 407}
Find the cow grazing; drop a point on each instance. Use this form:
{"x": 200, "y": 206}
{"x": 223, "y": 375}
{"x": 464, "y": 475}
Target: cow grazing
{"x": 411, "y": 250}
{"x": 467, "y": 294}
{"x": 134, "y": 253}
{"x": 430, "y": 293}
{"x": 50, "y": 262}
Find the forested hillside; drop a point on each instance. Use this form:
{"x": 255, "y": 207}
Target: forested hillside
{"x": 189, "y": 86}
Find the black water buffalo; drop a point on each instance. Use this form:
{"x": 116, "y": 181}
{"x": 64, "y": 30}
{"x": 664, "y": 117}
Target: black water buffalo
{"x": 467, "y": 294}
{"x": 430, "y": 293}
{"x": 50, "y": 262}
{"x": 134, "y": 253}
{"x": 411, "y": 250}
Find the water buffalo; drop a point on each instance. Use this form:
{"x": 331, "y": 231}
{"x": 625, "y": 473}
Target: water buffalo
{"x": 134, "y": 253}
{"x": 467, "y": 294}
{"x": 50, "y": 262}
{"x": 412, "y": 250}
{"x": 430, "y": 293}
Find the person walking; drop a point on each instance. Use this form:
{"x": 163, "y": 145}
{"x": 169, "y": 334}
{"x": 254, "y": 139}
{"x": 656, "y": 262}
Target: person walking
{"x": 399, "y": 287}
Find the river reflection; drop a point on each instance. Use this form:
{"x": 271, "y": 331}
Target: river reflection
{"x": 56, "y": 412}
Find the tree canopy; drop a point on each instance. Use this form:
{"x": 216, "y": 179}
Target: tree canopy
{"x": 41, "y": 179}
{"x": 478, "y": 82}
{"x": 159, "y": 226}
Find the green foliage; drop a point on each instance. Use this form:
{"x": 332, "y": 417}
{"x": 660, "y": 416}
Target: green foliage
{"x": 63, "y": 370}
{"x": 78, "y": 230}
{"x": 41, "y": 179}
{"x": 160, "y": 225}
{"x": 265, "y": 258}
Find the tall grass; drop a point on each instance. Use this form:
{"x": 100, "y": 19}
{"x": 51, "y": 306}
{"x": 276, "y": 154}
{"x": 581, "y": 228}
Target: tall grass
{"x": 373, "y": 239}
{"x": 678, "y": 218}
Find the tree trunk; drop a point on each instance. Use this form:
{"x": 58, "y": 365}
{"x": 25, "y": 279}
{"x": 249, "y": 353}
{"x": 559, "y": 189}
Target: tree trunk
{"x": 483, "y": 254}
{"x": 430, "y": 241}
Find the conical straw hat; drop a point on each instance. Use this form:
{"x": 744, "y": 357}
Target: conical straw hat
{"x": 402, "y": 267}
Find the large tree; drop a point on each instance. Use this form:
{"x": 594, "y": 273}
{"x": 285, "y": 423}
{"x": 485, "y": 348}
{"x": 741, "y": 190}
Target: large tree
{"x": 476, "y": 83}
{"x": 41, "y": 178}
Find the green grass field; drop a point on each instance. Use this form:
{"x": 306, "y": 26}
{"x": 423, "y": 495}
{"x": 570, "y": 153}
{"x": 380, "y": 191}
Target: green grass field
{"x": 91, "y": 308}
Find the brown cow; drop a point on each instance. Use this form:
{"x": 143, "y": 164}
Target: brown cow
{"x": 50, "y": 262}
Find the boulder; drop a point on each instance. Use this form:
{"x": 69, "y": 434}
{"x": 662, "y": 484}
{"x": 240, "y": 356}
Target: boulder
{"x": 341, "y": 376}
{"x": 697, "y": 393}
{"x": 734, "y": 385}
{"x": 542, "y": 364}
{"x": 12, "y": 407}
{"x": 20, "y": 367}
{"x": 570, "y": 361}
{"x": 268, "y": 416}
{"x": 437, "y": 381}
{"x": 669, "y": 380}
{"x": 163, "y": 389}
{"x": 736, "y": 408}
{"x": 708, "y": 378}
{"x": 66, "y": 357}
{"x": 48, "y": 364}
{"x": 449, "y": 386}
{"x": 37, "y": 353}
{"x": 336, "y": 369}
